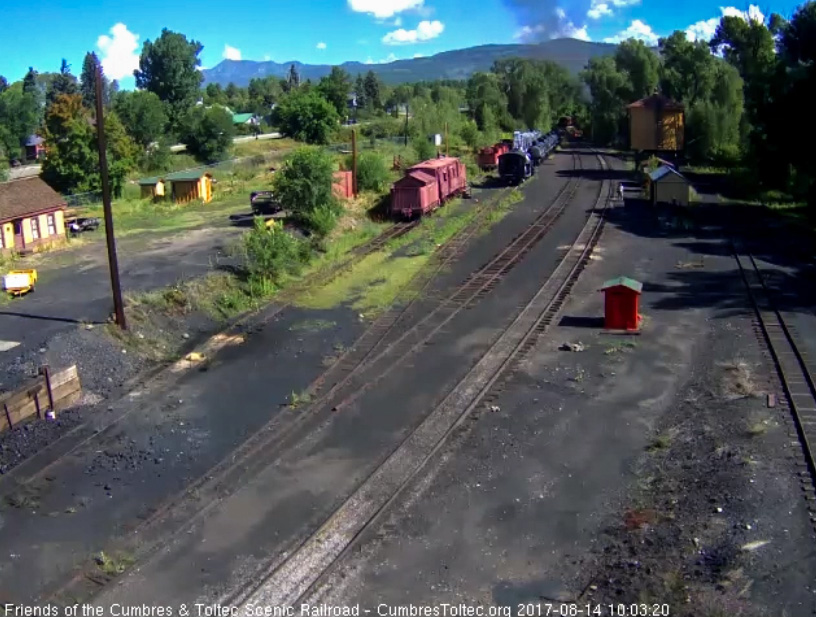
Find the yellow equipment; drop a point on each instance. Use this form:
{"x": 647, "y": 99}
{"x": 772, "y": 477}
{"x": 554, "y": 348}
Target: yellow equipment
{"x": 19, "y": 282}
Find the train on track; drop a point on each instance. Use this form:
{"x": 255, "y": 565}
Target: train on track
{"x": 516, "y": 159}
{"x": 426, "y": 186}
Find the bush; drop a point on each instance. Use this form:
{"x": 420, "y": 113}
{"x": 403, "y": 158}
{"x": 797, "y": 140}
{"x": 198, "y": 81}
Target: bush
{"x": 382, "y": 128}
{"x": 207, "y": 133}
{"x": 306, "y": 116}
{"x": 272, "y": 253}
{"x": 470, "y": 134}
{"x": 304, "y": 183}
{"x": 322, "y": 220}
{"x": 424, "y": 149}
{"x": 372, "y": 172}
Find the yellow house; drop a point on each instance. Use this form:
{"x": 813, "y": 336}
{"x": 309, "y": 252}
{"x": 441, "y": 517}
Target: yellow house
{"x": 189, "y": 185}
{"x": 656, "y": 124}
{"x": 32, "y": 216}
{"x": 152, "y": 188}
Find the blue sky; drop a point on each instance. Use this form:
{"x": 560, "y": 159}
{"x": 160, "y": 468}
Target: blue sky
{"x": 331, "y": 31}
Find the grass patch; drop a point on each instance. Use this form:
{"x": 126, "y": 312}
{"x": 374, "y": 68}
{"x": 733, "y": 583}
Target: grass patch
{"x": 738, "y": 380}
{"x": 298, "y": 399}
{"x": 312, "y": 325}
{"x": 660, "y": 443}
{"x": 113, "y": 565}
{"x": 252, "y": 147}
{"x": 620, "y": 348}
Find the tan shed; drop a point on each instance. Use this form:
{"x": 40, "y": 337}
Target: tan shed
{"x": 152, "y": 188}
{"x": 656, "y": 124}
{"x": 667, "y": 186}
{"x": 191, "y": 185}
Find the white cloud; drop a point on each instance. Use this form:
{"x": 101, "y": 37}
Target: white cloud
{"x": 119, "y": 52}
{"x": 704, "y": 30}
{"x": 383, "y": 9}
{"x": 636, "y": 30}
{"x": 565, "y": 29}
{"x": 231, "y": 53}
{"x": 369, "y": 61}
{"x": 419, "y": 55}
{"x": 267, "y": 57}
{"x": 425, "y": 31}
{"x": 321, "y": 45}
{"x": 604, "y": 8}
{"x": 398, "y": 22}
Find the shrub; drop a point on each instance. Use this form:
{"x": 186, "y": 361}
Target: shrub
{"x": 322, "y": 220}
{"x": 372, "y": 172}
{"x": 470, "y": 134}
{"x": 208, "y": 133}
{"x": 306, "y": 116}
{"x": 272, "y": 253}
{"x": 424, "y": 149}
{"x": 304, "y": 183}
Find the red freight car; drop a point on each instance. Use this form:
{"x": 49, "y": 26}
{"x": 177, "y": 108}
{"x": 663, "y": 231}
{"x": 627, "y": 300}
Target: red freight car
{"x": 426, "y": 185}
{"x": 488, "y": 158}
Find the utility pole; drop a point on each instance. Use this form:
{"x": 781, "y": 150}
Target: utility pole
{"x": 446, "y": 140}
{"x": 406, "y": 124}
{"x": 354, "y": 161}
{"x": 118, "y": 306}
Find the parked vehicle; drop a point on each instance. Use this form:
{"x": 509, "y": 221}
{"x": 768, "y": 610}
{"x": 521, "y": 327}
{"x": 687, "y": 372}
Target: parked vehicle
{"x": 20, "y": 282}
{"x": 515, "y": 167}
{"x": 427, "y": 185}
{"x": 264, "y": 202}
{"x": 78, "y": 225}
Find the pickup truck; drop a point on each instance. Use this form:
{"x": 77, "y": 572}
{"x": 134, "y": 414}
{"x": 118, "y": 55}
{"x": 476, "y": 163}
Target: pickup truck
{"x": 79, "y": 225}
{"x": 264, "y": 202}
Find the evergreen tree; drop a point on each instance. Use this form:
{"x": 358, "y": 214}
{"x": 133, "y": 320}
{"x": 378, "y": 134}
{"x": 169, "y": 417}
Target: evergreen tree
{"x": 63, "y": 83}
{"x": 294, "y": 78}
{"x": 88, "y": 80}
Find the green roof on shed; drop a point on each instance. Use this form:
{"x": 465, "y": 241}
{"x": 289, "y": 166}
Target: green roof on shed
{"x": 149, "y": 181}
{"x": 242, "y": 118}
{"x": 624, "y": 281}
{"x": 186, "y": 176}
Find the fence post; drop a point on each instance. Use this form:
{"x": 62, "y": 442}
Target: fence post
{"x": 354, "y": 161}
{"x": 46, "y": 371}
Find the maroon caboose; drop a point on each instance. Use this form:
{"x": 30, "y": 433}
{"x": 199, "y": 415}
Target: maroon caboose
{"x": 488, "y": 158}
{"x": 427, "y": 185}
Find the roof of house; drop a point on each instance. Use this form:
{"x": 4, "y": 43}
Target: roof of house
{"x": 655, "y": 101}
{"x": 624, "y": 281}
{"x": 242, "y": 118}
{"x": 187, "y": 176}
{"x": 34, "y": 140}
{"x": 20, "y": 198}
{"x": 150, "y": 181}
{"x": 663, "y": 171}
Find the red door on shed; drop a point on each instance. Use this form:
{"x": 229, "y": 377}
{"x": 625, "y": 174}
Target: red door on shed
{"x": 621, "y": 304}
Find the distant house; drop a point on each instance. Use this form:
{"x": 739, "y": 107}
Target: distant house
{"x": 186, "y": 186}
{"x": 352, "y": 100}
{"x": 153, "y": 188}
{"x": 32, "y": 215}
{"x": 668, "y": 186}
{"x": 34, "y": 147}
{"x": 248, "y": 119}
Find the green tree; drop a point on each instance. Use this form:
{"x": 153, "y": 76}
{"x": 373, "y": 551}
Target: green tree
{"x": 359, "y": 90}
{"x": 372, "y": 172}
{"x": 335, "y": 88}
{"x": 687, "y": 73}
{"x": 487, "y": 101}
{"x": 168, "y": 67}
{"x": 71, "y": 163}
{"x": 424, "y": 148}
{"x": 641, "y": 64}
{"x": 63, "y": 83}
{"x": 306, "y": 116}
{"x": 207, "y": 133}
{"x": 237, "y": 98}
{"x": 293, "y": 78}
{"x": 214, "y": 95}
{"x": 30, "y": 82}
{"x": 263, "y": 94}
{"x": 371, "y": 87}
{"x": 605, "y": 84}
{"x": 143, "y": 115}
{"x": 87, "y": 85}
{"x": 19, "y": 117}
{"x": 304, "y": 182}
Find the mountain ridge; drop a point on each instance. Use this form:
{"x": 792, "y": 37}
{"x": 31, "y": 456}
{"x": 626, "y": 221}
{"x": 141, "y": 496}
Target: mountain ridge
{"x": 573, "y": 54}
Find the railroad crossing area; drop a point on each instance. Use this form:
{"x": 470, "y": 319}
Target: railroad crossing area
{"x": 583, "y": 407}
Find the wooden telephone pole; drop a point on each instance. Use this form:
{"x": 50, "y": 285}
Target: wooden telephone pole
{"x": 354, "y": 161}
{"x": 118, "y": 305}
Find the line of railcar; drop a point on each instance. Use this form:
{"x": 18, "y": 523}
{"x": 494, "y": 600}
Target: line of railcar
{"x": 529, "y": 150}
{"x": 427, "y": 185}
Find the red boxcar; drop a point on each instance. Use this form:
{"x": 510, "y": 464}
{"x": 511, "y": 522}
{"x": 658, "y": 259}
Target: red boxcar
{"x": 426, "y": 185}
{"x": 488, "y": 158}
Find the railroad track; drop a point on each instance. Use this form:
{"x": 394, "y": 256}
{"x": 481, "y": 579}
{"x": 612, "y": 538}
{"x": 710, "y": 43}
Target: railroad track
{"x": 291, "y": 578}
{"x": 793, "y": 370}
{"x": 291, "y": 425}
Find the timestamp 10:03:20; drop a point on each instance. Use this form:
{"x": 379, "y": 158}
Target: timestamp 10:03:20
{"x": 592, "y": 610}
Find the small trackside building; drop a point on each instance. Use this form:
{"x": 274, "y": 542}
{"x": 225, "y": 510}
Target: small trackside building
{"x": 622, "y": 304}
{"x": 32, "y": 216}
{"x": 187, "y": 186}
{"x": 153, "y": 188}
{"x": 668, "y": 186}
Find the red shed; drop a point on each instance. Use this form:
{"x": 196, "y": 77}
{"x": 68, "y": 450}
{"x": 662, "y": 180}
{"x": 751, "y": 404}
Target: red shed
{"x": 621, "y": 303}
{"x": 342, "y": 185}
{"x": 414, "y": 194}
